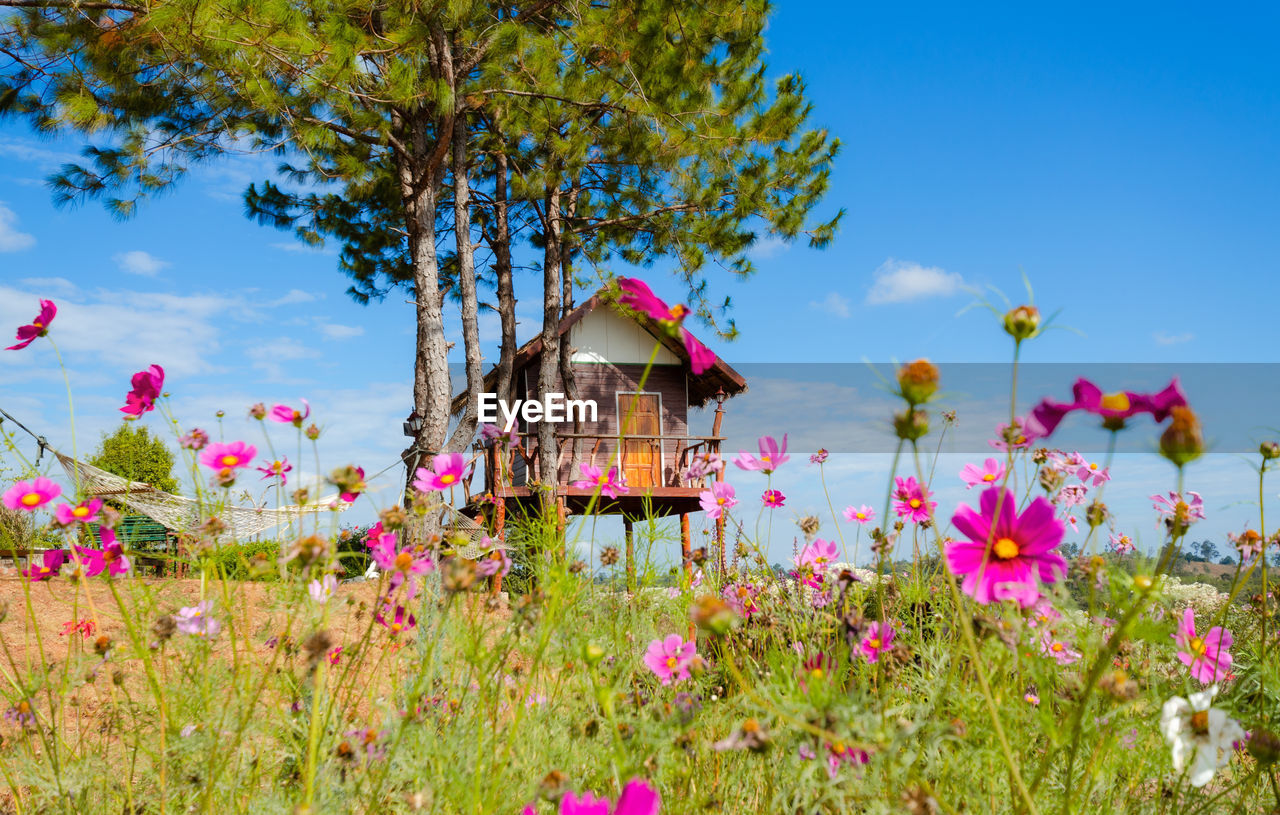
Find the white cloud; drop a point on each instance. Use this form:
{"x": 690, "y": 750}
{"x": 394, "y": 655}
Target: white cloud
{"x": 833, "y": 303}
{"x": 294, "y": 296}
{"x": 335, "y": 331}
{"x": 11, "y": 240}
{"x": 300, "y": 247}
{"x": 140, "y": 263}
{"x": 47, "y": 287}
{"x": 1165, "y": 338}
{"x": 900, "y": 281}
{"x": 767, "y": 248}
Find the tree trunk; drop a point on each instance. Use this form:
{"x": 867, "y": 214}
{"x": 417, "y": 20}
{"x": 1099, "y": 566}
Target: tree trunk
{"x": 466, "y": 429}
{"x": 566, "y": 305}
{"x": 548, "y": 372}
{"x": 502, "y": 268}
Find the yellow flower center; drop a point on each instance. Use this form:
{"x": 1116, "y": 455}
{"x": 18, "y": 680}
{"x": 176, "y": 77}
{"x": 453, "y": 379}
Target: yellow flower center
{"x": 448, "y": 478}
{"x": 395, "y": 628}
{"x": 24, "y": 707}
{"x": 1093, "y": 466}
{"x": 766, "y": 459}
{"x": 604, "y": 479}
{"x": 672, "y": 662}
{"x": 229, "y": 460}
{"x": 988, "y": 477}
{"x": 1056, "y": 647}
{"x": 80, "y": 512}
{"x": 816, "y": 673}
{"x": 1115, "y": 401}
{"x": 915, "y": 503}
{"x": 1200, "y": 721}
{"x": 874, "y": 643}
{"x": 403, "y": 561}
{"x": 838, "y": 748}
{"x": 1197, "y": 647}
{"x": 30, "y": 499}
{"x": 720, "y": 501}
{"x": 1006, "y": 548}
{"x": 678, "y": 311}
{"x": 862, "y": 516}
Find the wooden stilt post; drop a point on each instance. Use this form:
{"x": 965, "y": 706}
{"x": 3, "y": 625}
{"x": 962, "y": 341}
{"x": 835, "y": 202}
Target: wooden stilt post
{"x": 499, "y": 523}
{"x": 715, "y": 431}
{"x": 686, "y": 545}
{"x": 562, "y": 515}
{"x": 631, "y": 554}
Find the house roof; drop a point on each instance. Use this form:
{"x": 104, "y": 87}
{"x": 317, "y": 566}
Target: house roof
{"x": 702, "y": 387}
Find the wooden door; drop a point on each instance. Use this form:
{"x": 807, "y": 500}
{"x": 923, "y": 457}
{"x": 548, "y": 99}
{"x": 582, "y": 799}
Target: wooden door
{"x": 641, "y": 415}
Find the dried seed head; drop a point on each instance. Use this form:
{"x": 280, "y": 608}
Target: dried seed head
{"x": 164, "y": 627}
{"x": 458, "y": 574}
{"x": 809, "y": 525}
{"x": 393, "y": 517}
{"x": 608, "y": 556}
{"x": 308, "y": 550}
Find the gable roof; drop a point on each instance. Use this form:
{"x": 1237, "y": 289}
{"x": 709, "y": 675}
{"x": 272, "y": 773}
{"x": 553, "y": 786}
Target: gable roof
{"x": 702, "y": 387}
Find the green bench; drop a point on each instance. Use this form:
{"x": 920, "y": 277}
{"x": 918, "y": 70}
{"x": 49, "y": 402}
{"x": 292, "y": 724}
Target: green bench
{"x": 148, "y": 541}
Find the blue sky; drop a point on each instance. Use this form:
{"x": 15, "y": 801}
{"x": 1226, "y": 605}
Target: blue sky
{"x": 1124, "y": 157}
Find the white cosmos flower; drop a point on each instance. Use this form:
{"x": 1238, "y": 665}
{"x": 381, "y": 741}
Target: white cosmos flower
{"x": 1200, "y": 734}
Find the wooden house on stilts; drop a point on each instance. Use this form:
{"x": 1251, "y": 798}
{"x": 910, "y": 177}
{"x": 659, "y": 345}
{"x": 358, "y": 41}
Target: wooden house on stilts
{"x": 643, "y": 431}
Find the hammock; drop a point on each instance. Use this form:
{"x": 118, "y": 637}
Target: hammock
{"x": 183, "y": 514}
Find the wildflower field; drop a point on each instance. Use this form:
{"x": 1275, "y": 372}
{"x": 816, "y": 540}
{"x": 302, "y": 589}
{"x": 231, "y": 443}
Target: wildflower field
{"x": 989, "y": 672}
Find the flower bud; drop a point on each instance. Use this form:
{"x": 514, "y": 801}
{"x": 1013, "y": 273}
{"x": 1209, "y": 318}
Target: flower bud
{"x": 1269, "y": 450}
{"x": 1264, "y": 746}
{"x": 1022, "y": 323}
{"x": 713, "y": 615}
{"x": 911, "y": 425}
{"x": 312, "y": 432}
{"x": 258, "y": 411}
{"x": 1182, "y": 441}
{"x": 1096, "y": 514}
{"x": 592, "y": 653}
{"x": 918, "y": 381}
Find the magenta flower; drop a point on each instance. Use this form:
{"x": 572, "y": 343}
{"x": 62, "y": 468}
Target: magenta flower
{"x": 84, "y": 512}
{"x": 741, "y": 597}
{"x": 819, "y": 457}
{"x": 670, "y": 658}
{"x": 230, "y": 456}
{"x": 638, "y": 798}
{"x": 1060, "y": 651}
{"x": 1181, "y": 510}
{"x": 772, "y": 456}
{"x": 1006, "y": 557}
{"x": 196, "y": 620}
{"x": 840, "y": 754}
{"x": 494, "y": 562}
{"x": 1114, "y": 408}
{"x": 492, "y": 434}
{"x": 1121, "y": 544}
{"x": 1249, "y": 544}
{"x": 195, "y": 440}
{"x": 147, "y": 386}
{"x": 911, "y": 501}
{"x": 863, "y": 514}
{"x": 408, "y": 563}
{"x": 817, "y": 555}
{"x": 878, "y": 639}
{"x": 110, "y": 558}
{"x": 50, "y": 564}
{"x": 284, "y": 414}
{"x": 636, "y": 295}
{"x": 1072, "y": 495}
{"x": 1019, "y": 438}
{"x": 1088, "y": 471}
{"x": 1208, "y": 657}
{"x": 446, "y": 471}
{"x": 31, "y": 495}
{"x": 989, "y": 473}
{"x": 773, "y": 498}
{"x": 703, "y": 466}
{"x": 1041, "y": 613}
{"x": 38, "y": 327}
{"x": 395, "y": 621}
{"x": 717, "y": 499}
{"x": 277, "y": 469}
{"x": 353, "y": 493}
{"x": 596, "y": 478}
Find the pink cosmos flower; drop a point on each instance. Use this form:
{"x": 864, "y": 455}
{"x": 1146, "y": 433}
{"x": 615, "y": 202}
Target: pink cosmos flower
{"x": 911, "y": 500}
{"x": 196, "y": 620}
{"x": 819, "y": 457}
{"x": 147, "y": 387}
{"x": 1006, "y": 556}
{"x": 335, "y": 654}
{"x": 773, "y": 498}
{"x": 1072, "y": 495}
{"x": 446, "y": 471}
{"x": 1019, "y": 438}
{"x": 839, "y": 754}
{"x": 703, "y": 465}
{"x": 717, "y": 499}
{"x": 670, "y": 658}
{"x": 1060, "y": 651}
{"x": 863, "y": 514}
{"x": 408, "y": 563}
{"x": 492, "y": 434}
{"x": 1186, "y": 510}
{"x": 277, "y": 469}
{"x": 396, "y": 620}
{"x": 322, "y": 590}
{"x": 494, "y": 562}
{"x": 50, "y": 564}
{"x": 772, "y": 456}
{"x": 817, "y": 555}
{"x": 878, "y": 639}
{"x": 1042, "y": 613}
{"x": 989, "y": 473}
{"x": 38, "y": 327}
{"x": 284, "y": 414}
{"x": 230, "y": 456}
{"x": 351, "y": 496}
{"x": 1208, "y": 657}
{"x": 1122, "y": 544}
{"x": 195, "y": 440}
{"x": 638, "y": 296}
{"x": 1249, "y": 544}
{"x": 85, "y": 512}
{"x": 31, "y": 495}
{"x": 637, "y": 798}
{"x": 596, "y": 478}
{"x": 110, "y": 558}
{"x": 1114, "y": 408}
{"x": 1088, "y": 471}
